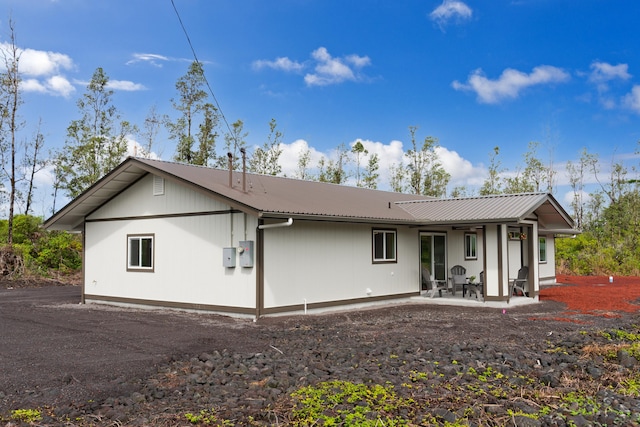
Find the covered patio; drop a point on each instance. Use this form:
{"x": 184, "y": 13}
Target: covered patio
{"x": 495, "y": 242}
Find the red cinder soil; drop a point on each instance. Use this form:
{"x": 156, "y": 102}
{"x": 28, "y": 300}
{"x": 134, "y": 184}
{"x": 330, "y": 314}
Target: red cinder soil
{"x": 594, "y": 295}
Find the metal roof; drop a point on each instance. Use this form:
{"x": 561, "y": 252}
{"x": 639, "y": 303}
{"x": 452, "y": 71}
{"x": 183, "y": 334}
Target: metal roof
{"x": 264, "y": 195}
{"x": 271, "y": 197}
{"x": 502, "y": 208}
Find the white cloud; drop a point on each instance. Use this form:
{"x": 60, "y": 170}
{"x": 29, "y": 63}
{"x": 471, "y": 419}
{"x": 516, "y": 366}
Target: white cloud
{"x": 32, "y": 85}
{"x": 60, "y": 85}
{"x": 451, "y": 10}
{"x": 510, "y": 83}
{"x": 281, "y": 63}
{"x": 330, "y": 70}
{"x": 150, "y": 58}
{"x": 462, "y": 170}
{"x": 604, "y": 72}
{"x": 632, "y": 99}
{"x": 125, "y": 85}
{"x": 42, "y": 70}
{"x": 291, "y": 154}
{"x": 39, "y": 63}
{"x": 54, "y": 85}
{"x": 135, "y": 149}
{"x": 327, "y": 70}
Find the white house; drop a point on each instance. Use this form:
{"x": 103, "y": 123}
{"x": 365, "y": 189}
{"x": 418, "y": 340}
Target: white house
{"x": 166, "y": 234}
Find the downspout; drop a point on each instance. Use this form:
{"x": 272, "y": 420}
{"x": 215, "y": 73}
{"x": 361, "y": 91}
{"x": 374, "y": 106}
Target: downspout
{"x": 260, "y": 262}
{"x": 280, "y": 224}
{"x": 259, "y": 270}
{"x": 84, "y": 262}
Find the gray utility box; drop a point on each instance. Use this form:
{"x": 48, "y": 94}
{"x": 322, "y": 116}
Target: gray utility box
{"x": 229, "y": 257}
{"x": 246, "y": 253}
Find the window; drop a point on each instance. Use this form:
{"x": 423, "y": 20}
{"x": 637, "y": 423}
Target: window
{"x": 384, "y": 246}
{"x": 543, "y": 249}
{"x": 470, "y": 246}
{"x": 140, "y": 252}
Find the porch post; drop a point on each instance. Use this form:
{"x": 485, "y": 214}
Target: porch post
{"x": 534, "y": 260}
{"x": 503, "y": 250}
{"x": 496, "y": 262}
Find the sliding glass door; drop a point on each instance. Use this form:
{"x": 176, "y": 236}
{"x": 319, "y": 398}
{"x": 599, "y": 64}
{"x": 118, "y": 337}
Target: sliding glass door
{"x": 433, "y": 254}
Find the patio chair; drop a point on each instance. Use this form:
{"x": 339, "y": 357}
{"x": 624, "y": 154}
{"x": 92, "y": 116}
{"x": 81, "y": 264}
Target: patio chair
{"x": 433, "y": 285}
{"x": 458, "y": 278}
{"x": 476, "y": 288}
{"x": 519, "y": 283}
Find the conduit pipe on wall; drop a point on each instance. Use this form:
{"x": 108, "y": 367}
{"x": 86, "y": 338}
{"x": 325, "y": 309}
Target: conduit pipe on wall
{"x": 280, "y": 224}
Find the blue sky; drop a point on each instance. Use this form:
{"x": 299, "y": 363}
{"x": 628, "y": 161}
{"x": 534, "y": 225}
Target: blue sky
{"x": 475, "y": 74}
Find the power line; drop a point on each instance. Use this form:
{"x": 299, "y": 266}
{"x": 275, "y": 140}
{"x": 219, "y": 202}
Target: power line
{"x": 195, "y": 57}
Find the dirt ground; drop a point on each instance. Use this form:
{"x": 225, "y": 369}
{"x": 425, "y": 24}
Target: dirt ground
{"x": 54, "y": 350}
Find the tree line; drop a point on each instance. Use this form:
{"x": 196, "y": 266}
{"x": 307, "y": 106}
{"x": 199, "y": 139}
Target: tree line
{"x": 97, "y": 141}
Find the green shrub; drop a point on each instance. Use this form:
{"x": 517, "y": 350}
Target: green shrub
{"x": 59, "y": 250}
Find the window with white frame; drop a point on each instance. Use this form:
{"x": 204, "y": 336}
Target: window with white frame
{"x": 140, "y": 252}
{"x": 470, "y": 246}
{"x": 543, "y": 249}
{"x": 384, "y": 246}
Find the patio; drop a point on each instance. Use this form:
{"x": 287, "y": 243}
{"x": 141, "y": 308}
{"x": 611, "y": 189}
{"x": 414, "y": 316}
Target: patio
{"x": 458, "y": 300}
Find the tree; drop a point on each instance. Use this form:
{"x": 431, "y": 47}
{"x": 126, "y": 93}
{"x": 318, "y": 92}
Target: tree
{"x": 459, "y": 191}
{"x": 234, "y": 142}
{"x": 335, "y": 171}
{"x": 436, "y": 178}
{"x": 371, "y": 175}
{"x": 10, "y": 97}
{"x": 149, "y": 132}
{"x": 192, "y": 103}
{"x": 492, "y": 184}
{"x": 618, "y": 183}
{"x": 426, "y": 174}
{"x": 416, "y": 163}
{"x": 397, "y": 178}
{"x": 32, "y": 164}
{"x": 303, "y": 165}
{"x": 97, "y": 142}
{"x": 360, "y": 152}
{"x": 518, "y": 184}
{"x": 535, "y": 176}
{"x": 577, "y": 173}
{"x": 206, "y": 138}
{"x": 265, "y": 159}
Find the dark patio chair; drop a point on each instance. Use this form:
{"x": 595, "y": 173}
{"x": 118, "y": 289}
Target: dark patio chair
{"x": 518, "y": 284}
{"x": 476, "y": 288}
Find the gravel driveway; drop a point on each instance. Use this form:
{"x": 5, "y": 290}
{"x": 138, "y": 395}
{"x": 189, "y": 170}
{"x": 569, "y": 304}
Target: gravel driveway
{"x": 104, "y": 366}
{"x": 53, "y": 350}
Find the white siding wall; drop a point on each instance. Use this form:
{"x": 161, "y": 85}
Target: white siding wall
{"x": 456, "y": 252}
{"x": 138, "y": 200}
{"x": 188, "y": 250}
{"x": 320, "y": 262}
{"x": 548, "y": 269}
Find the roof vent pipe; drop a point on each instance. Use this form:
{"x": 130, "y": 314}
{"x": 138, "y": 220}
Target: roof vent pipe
{"x": 230, "y": 169}
{"x": 244, "y": 169}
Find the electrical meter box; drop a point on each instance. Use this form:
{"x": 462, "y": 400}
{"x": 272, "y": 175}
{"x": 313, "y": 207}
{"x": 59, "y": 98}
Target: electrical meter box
{"x": 245, "y": 249}
{"x": 229, "y": 257}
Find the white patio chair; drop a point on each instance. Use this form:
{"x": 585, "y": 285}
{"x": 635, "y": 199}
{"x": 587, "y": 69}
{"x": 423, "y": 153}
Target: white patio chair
{"x": 433, "y": 285}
